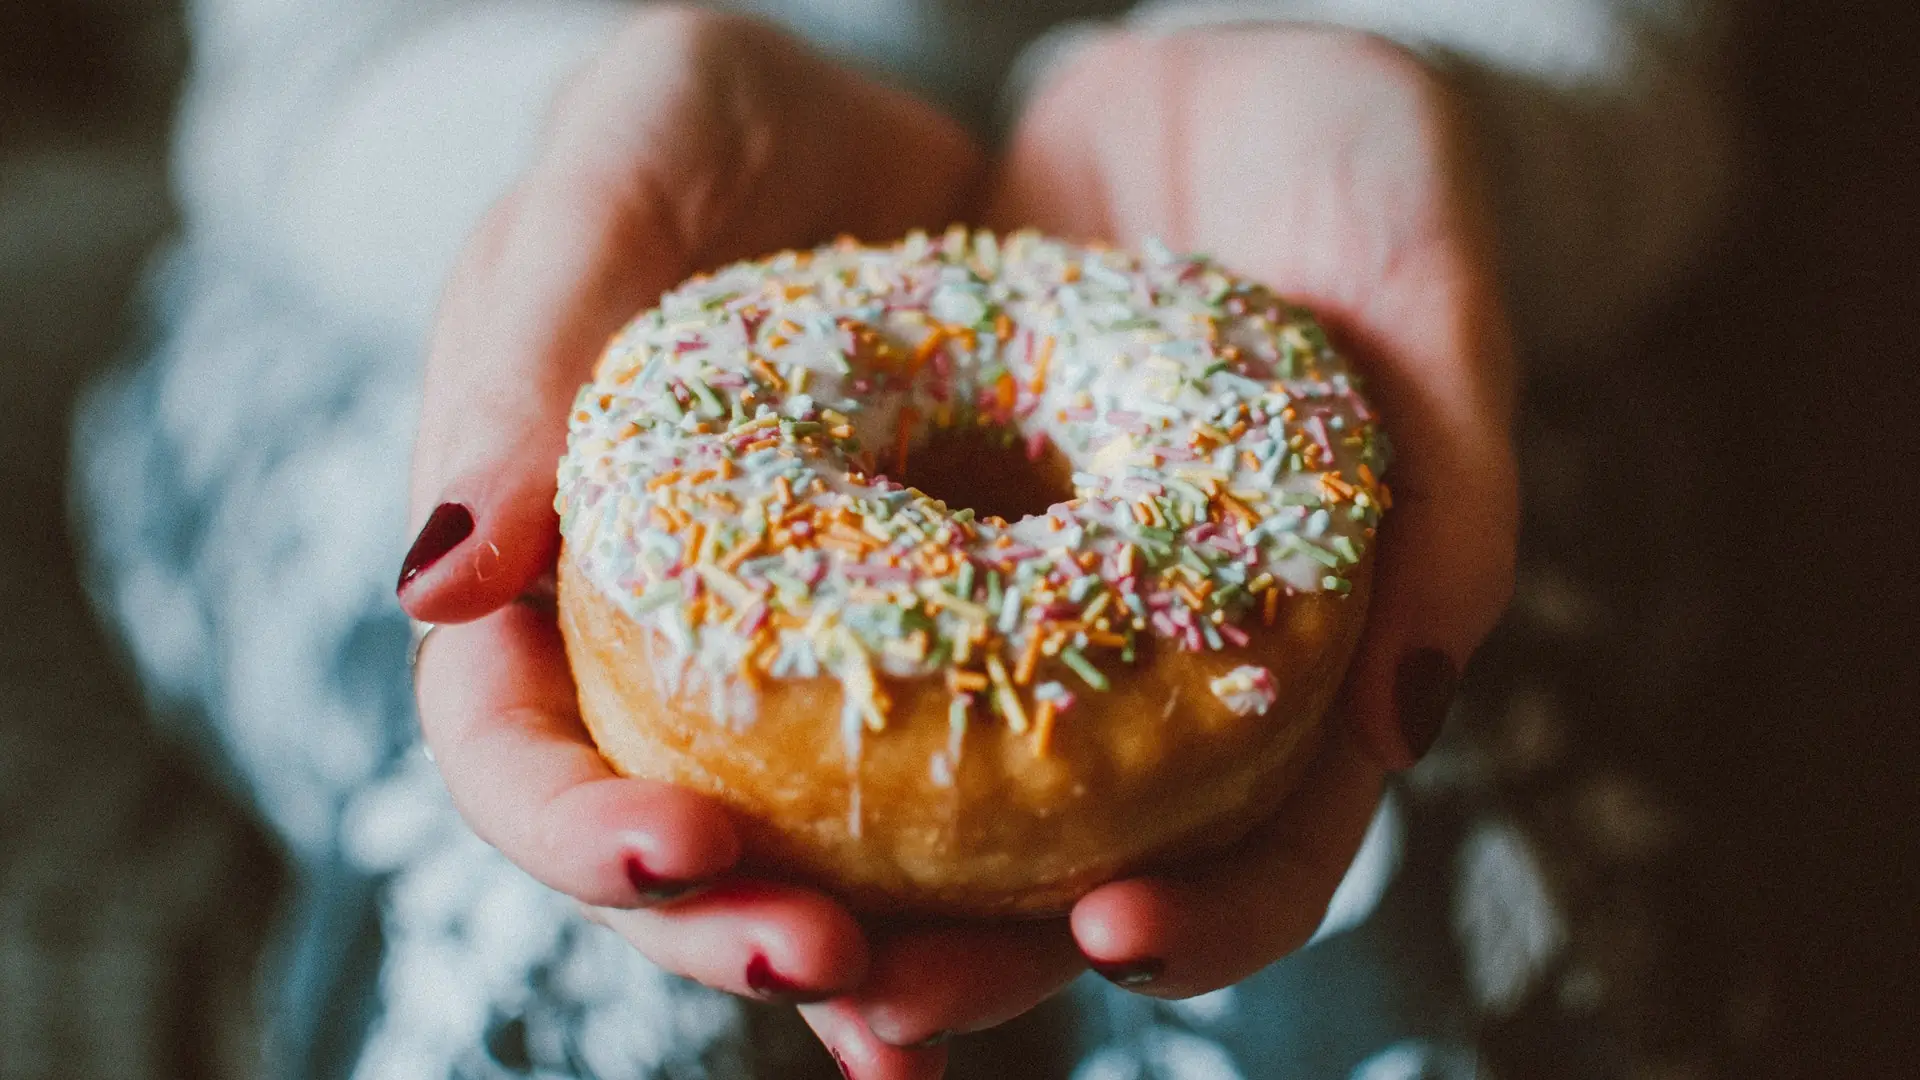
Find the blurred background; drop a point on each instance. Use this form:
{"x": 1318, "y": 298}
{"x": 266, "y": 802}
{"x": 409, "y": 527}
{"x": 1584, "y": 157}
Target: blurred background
{"x": 134, "y": 896}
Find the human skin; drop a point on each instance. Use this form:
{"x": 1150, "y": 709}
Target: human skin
{"x": 1339, "y": 170}
{"x": 1328, "y": 165}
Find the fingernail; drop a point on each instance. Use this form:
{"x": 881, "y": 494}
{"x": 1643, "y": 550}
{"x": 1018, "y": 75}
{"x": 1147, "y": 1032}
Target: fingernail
{"x": 1423, "y": 687}
{"x": 653, "y": 889}
{"x": 771, "y": 986}
{"x": 845, "y": 1069}
{"x": 1131, "y": 973}
{"x": 446, "y": 527}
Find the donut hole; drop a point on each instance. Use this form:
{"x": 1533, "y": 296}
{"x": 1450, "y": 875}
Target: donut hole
{"x": 988, "y": 472}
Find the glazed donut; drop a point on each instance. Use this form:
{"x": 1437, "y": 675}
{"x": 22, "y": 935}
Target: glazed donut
{"x": 789, "y": 578}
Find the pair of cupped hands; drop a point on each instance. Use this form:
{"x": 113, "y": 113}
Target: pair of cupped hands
{"x": 1329, "y": 165}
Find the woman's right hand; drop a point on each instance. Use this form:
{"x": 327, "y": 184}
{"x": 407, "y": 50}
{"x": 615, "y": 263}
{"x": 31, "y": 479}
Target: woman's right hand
{"x": 691, "y": 140}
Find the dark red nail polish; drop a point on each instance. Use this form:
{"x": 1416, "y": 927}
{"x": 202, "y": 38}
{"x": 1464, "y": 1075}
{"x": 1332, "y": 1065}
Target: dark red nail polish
{"x": 770, "y": 985}
{"x": 845, "y": 1069}
{"x": 1130, "y": 973}
{"x": 653, "y": 889}
{"x": 446, "y": 527}
{"x": 1423, "y": 687}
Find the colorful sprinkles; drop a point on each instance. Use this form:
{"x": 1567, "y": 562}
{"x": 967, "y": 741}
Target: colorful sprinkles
{"x": 726, "y": 479}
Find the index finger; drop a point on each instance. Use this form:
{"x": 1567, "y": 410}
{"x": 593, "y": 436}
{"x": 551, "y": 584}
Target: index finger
{"x": 498, "y": 711}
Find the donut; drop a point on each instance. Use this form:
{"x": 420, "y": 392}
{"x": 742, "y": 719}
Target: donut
{"x": 972, "y": 571}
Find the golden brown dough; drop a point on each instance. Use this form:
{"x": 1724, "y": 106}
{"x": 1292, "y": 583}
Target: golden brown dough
{"x": 921, "y": 707}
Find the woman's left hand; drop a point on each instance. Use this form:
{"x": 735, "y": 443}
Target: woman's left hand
{"x": 1333, "y": 167}
{"x": 691, "y": 138}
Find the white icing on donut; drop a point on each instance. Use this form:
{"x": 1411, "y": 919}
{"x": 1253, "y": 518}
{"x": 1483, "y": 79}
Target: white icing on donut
{"x": 725, "y": 474}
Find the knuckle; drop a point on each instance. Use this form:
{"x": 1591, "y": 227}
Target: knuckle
{"x": 709, "y": 36}
{"x": 660, "y": 63}
{"x": 1383, "y": 58}
{"x": 1084, "y": 76}
{"x": 679, "y": 23}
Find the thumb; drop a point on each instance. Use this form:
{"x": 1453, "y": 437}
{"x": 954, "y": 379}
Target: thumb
{"x": 1440, "y": 373}
{"x": 1442, "y": 577}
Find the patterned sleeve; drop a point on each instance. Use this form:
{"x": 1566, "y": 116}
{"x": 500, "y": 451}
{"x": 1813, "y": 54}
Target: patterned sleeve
{"x": 1602, "y": 122}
